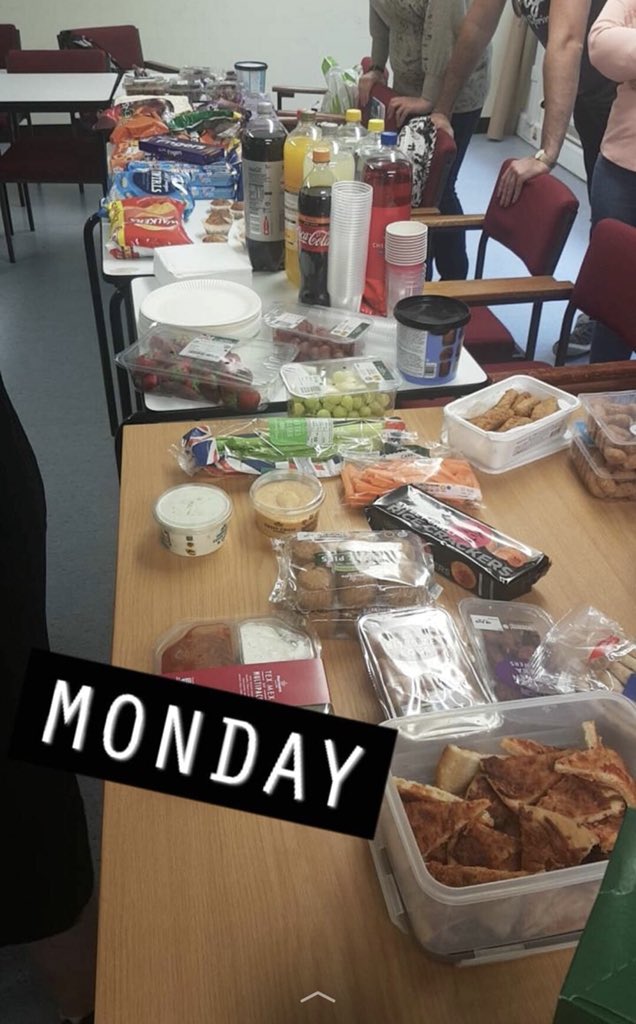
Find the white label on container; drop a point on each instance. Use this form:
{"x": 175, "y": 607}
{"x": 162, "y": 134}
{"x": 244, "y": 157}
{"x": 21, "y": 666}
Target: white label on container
{"x": 539, "y": 438}
{"x": 286, "y": 320}
{"x": 368, "y": 373}
{"x": 264, "y": 200}
{"x": 302, "y": 382}
{"x": 291, "y": 220}
{"x": 210, "y": 349}
{"x": 319, "y": 433}
{"x": 411, "y": 353}
{"x": 452, "y": 491}
{"x": 487, "y": 622}
{"x": 350, "y": 328}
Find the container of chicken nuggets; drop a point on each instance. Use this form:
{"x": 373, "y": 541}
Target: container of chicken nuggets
{"x": 497, "y": 822}
{"x": 510, "y": 423}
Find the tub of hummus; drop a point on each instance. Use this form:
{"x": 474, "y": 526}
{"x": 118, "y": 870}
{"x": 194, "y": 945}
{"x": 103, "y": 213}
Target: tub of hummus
{"x": 286, "y": 501}
{"x": 193, "y": 518}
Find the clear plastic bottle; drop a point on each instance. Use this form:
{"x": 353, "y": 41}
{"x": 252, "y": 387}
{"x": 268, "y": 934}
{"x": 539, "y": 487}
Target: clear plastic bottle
{"x": 351, "y": 133}
{"x": 343, "y": 162}
{"x": 390, "y": 174}
{"x": 297, "y": 145}
{"x": 263, "y": 189}
{"x": 314, "y": 213}
{"x": 370, "y": 145}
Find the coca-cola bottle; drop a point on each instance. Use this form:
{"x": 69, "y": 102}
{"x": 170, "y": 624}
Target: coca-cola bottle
{"x": 314, "y": 212}
{"x": 264, "y": 190}
{"x": 390, "y": 174}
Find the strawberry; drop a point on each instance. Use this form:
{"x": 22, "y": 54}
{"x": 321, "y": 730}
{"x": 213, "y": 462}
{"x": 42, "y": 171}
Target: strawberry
{"x": 249, "y": 400}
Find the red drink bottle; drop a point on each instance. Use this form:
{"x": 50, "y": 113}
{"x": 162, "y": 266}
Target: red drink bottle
{"x": 390, "y": 174}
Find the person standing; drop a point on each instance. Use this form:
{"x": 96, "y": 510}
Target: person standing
{"x": 612, "y": 46}
{"x": 418, "y": 37}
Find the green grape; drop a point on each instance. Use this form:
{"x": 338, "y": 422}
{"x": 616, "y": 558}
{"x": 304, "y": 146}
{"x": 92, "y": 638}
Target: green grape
{"x": 377, "y": 409}
{"x": 297, "y": 409}
{"x": 385, "y": 399}
{"x": 312, "y": 405}
{"x": 339, "y": 412}
{"x": 365, "y": 411}
{"x": 330, "y": 401}
{"x": 346, "y": 402}
{"x": 356, "y": 403}
{"x": 338, "y": 376}
{"x": 324, "y": 414}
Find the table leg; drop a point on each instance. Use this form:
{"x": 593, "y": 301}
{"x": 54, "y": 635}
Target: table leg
{"x": 6, "y": 221}
{"x": 100, "y": 322}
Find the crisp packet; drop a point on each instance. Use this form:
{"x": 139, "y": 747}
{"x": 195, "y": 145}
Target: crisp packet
{"x": 146, "y": 179}
{"x": 140, "y": 225}
{"x": 470, "y": 553}
{"x": 585, "y": 650}
{"x": 336, "y": 577}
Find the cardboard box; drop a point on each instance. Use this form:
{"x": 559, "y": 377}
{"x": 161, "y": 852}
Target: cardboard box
{"x": 601, "y": 985}
{"x": 299, "y": 683}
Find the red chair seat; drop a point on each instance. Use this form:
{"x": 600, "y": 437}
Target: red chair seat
{"x": 42, "y": 159}
{"x": 486, "y": 338}
{"x": 517, "y": 366}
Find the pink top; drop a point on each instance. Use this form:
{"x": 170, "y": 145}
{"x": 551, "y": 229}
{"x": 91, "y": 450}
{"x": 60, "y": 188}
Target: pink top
{"x": 612, "y": 46}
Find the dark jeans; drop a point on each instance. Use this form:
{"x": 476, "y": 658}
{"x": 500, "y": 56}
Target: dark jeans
{"x": 613, "y": 195}
{"x": 449, "y": 251}
{"x": 591, "y": 112}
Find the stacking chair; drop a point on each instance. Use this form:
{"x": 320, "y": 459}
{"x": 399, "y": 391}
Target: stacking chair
{"x": 9, "y": 40}
{"x": 121, "y": 43}
{"x": 535, "y": 229}
{"x": 67, "y": 155}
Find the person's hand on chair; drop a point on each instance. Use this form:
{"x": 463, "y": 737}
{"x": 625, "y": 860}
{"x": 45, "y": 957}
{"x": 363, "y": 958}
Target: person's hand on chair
{"x": 365, "y": 86}
{"x": 442, "y": 123}
{"x": 518, "y": 173}
{"x": 403, "y": 107}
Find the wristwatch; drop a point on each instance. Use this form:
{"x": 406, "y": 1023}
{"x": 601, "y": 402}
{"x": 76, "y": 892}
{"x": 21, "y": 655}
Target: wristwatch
{"x": 544, "y": 158}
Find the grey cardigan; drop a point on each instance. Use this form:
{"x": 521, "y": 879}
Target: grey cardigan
{"x": 418, "y": 37}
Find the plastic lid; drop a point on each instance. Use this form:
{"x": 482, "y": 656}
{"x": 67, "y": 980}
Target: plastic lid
{"x": 250, "y": 65}
{"x": 286, "y": 493}
{"x": 264, "y": 107}
{"x": 321, "y": 156}
{"x": 192, "y": 506}
{"x": 353, "y": 115}
{"x": 433, "y": 313}
{"x": 329, "y": 128}
{"x": 376, "y": 124}
{"x": 389, "y": 138}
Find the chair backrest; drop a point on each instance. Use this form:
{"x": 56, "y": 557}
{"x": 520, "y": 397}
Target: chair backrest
{"x": 122, "y": 42}
{"x": 536, "y": 227}
{"x": 9, "y": 40}
{"x": 56, "y": 61}
{"x": 604, "y": 288}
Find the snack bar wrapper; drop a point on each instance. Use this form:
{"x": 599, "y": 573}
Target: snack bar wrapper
{"x": 585, "y": 650}
{"x": 465, "y": 550}
{"x": 333, "y": 578}
{"x": 142, "y": 179}
{"x": 141, "y": 225}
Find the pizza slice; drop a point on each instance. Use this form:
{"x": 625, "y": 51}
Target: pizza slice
{"x": 582, "y": 800}
{"x": 606, "y": 831}
{"x": 459, "y": 875}
{"x": 523, "y": 779}
{"x": 518, "y": 746}
{"x": 480, "y": 846}
{"x": 551, "y": 841}
{"x": 435, "y": 818}
{"x": 504, "y": 819}
{"x": 603, "y": 766}
{"x": 456, "y": 769}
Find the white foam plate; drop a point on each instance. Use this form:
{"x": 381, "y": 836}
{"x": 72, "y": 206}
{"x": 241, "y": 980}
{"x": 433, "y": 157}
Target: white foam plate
{"x": 201, "y": 304}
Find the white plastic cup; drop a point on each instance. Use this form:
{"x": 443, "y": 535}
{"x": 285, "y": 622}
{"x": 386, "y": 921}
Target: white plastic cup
{"x": 351, "y": 203}
{"x": 193, "y": 519}
{"x": 402, "y": 282}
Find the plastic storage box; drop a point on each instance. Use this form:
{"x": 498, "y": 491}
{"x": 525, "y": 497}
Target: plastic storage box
{"x": 498, "y": 920}
{"x": 611, "y": 422}
{"x": 340, "y": 388}
{"x": 601, "y": 478}
{"x": 329, "y": 333}
{"x": 241, "y": 376}
{"x": 497, "y": 452}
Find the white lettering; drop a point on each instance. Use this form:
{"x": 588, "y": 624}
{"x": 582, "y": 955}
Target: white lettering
{"x": 173, "y": 730}
{"x": 293, "y": 749}
{"x": 220, "y": 775}
{"x": 131, "y": 748}
{"x": 80, "y": 706}
{"x": 338, "y": 775}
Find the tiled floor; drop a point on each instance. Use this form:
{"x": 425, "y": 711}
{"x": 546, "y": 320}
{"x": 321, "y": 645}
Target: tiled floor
{"x": 49, "y": 360}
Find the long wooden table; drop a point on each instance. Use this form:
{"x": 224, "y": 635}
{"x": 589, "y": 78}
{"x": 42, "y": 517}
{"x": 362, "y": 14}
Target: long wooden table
{"x": 213, "y": 916}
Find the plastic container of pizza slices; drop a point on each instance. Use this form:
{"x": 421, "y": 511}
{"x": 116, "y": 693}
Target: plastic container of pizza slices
{"x": 506, "y": 919}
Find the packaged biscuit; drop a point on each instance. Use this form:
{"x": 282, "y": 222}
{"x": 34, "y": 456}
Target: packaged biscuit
{"x": 265, "y": 658}
{"x": 418, "y": 663}
{"x": 331, "y": 577}
{"x": 465, "y": 550}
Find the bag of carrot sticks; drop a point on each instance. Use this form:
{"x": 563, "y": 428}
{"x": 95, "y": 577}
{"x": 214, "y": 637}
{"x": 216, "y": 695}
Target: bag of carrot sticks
{"x": 437, "y": 471}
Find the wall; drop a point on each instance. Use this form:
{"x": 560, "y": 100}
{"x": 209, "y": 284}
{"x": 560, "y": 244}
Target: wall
{"x": 293, "y": 39}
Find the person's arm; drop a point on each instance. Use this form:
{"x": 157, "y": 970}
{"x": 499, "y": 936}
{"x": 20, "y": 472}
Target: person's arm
{"x": 612, "y": 41}
{"x": 478, "y": 28}
{"x": 379, "y": 56}
{"x": 567, "y": 29}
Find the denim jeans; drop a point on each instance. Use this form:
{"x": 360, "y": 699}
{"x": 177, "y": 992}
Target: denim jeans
{"x": 449, "y": 250}
{"x": 613, "y": 195}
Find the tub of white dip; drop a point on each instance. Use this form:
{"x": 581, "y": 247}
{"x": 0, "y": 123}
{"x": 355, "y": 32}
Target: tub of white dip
{"x": 193, "y": 518}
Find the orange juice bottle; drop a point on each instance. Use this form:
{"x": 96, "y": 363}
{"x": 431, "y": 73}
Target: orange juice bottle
{"x": 297, "y": 145}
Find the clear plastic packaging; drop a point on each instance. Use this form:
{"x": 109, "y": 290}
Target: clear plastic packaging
{"x": 285, "y": 659}
{"x": 339, "y": 388}
{"x": 240, "y": 376}
{"x": 286, "y": 501}
{"x": 503, "y": 919}
{"x": 470, "y": 553}
{"x": 331, "y": 577}
{"x": 585, "y": 650}
{"x": 418, "y": 663}
{"x": 327, "y": 333}
{"x": 366, "y": 477}
{"x": 611, "y": 421}
{"x": 602, "y": 479}
{"x": 504, "y": 636}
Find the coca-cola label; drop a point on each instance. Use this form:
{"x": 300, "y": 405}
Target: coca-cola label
{"x": 313, "y": 233}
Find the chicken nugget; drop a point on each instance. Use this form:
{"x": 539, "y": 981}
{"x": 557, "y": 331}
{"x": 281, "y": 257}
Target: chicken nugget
{"x": 525, "y": 407}
{"x": 514, "y": 421}
{"x": 492, "y": 419}
{"x": 508, "y": 399}
{"x": 545, "y": 408}
{"x": 522, "y": 396}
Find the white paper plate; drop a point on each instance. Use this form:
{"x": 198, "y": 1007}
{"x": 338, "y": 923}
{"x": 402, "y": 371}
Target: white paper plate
{"x": 201, "y": 304}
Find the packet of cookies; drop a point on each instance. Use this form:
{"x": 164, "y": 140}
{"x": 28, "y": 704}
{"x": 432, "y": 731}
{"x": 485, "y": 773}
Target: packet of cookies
{"x": 470, "y": 553}
{"x": 335, "y": 577}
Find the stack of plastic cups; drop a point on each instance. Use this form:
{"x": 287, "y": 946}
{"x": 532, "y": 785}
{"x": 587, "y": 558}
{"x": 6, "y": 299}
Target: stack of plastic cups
{"x": 405, "y": 249}
{"x": 348, "y": 242}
